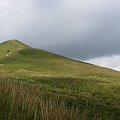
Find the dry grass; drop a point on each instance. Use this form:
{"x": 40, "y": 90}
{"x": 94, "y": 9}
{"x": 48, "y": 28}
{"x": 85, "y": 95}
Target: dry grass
{"x": 23, "y": 102}
{"x": 20, "y": 101}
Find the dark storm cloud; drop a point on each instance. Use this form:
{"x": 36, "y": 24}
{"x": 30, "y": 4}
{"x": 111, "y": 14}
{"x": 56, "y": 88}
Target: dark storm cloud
{"x": 75, "y": 28}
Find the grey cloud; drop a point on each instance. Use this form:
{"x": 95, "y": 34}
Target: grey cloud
{"x": 74, "y": 28}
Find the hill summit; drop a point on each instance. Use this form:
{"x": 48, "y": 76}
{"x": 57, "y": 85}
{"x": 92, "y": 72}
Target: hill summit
{"x": 10, "y": 46}
{"x": 15, "y": 43}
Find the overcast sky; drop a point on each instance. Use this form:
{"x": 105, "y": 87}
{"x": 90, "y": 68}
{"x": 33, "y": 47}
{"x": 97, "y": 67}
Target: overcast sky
{"x": 82, "y": 29}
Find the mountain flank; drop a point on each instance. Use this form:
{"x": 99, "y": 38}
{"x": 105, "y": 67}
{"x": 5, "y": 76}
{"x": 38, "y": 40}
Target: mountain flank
{"x": 93, "y": 88}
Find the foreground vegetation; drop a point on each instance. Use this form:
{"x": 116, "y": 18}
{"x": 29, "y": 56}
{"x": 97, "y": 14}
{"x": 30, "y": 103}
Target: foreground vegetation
{"x": 37, "y": 85}
{"x": 27, "y": 102}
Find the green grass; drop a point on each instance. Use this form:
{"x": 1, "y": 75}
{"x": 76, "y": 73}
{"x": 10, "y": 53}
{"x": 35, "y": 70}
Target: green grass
{"x": 98, "y": 86}
{"x": 26, "y": 102}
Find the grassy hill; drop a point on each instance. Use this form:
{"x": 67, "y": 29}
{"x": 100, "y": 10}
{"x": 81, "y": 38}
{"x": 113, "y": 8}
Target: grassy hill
{"x": 93, "y": 87}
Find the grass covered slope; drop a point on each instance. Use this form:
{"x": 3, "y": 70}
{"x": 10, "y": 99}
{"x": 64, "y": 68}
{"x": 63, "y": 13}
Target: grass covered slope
{"x": 43, "y": 61}
{"x": 97, "y": 85}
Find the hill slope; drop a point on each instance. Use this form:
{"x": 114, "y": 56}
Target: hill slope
{"x": 27, "y": 62}
{"x": 60, "y": 74}
{"x": 14, "y": 52}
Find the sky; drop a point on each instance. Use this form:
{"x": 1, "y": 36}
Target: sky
{"x": 87, "y": 30}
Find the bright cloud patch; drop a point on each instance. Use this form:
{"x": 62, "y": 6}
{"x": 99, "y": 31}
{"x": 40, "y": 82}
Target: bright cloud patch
{"x": 109, "y": 62}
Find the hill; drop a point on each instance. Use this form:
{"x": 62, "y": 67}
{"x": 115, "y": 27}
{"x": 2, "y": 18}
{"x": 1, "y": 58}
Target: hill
{"x": 13, "y": 52}
{"x": 60, "y": 75}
